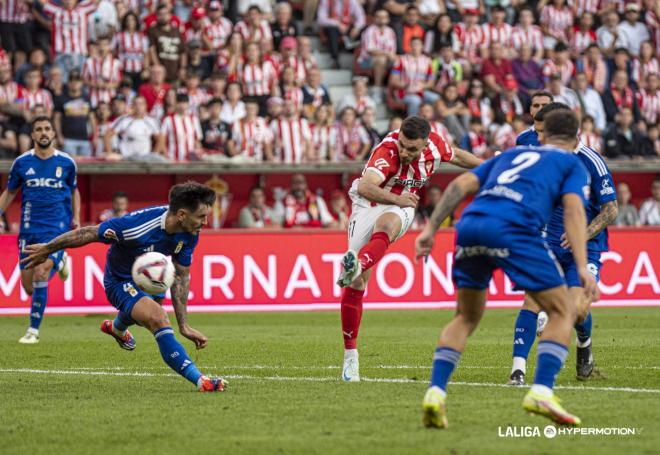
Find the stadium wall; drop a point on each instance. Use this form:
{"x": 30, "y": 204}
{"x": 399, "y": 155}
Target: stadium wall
{"x": 295, "y": 271}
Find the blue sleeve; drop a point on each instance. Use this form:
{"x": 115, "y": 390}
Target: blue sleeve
{"x": 72, "y": 177}
{"x": 576, "y": 180}
{"x": 15, "y": 180}
{"x": 184, "y": 257}
{"x": 111, "y": 231}
{"x": 465, "y": 143}
{"x": 602, "y": 185}
{"x": 483, "y": 170}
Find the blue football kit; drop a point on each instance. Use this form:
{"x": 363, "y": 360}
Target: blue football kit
{"x": 132, "y": 235}
{"x": 501, "y": 228}
{"x": 46, "y": 190}
{"x": 528, "y": 137}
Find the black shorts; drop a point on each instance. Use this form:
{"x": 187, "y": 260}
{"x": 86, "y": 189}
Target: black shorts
{"x": 16, "y": 37}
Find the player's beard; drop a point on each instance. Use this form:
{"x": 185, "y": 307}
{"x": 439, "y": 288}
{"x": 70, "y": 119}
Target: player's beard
{"x": 44, "y": 143}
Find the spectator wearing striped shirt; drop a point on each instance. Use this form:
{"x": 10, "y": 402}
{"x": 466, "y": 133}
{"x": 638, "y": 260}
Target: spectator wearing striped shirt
{"x": 254, "y": 27}
{"x": 593, "y": 66}
{"x": 15, "y": 30}
{"x": 132, "y": 48}
{"x": 34, "y": 95}
{"x": 556, "y": 21}
{"x": 646, "y": 63}
{"x": 340, "y": 19}
{"x": 349, "y": 140}
{"x": 648, "y": 99}
{"x": 181, "y": 133}
{"x": 102, "y": 73}
{"x": 251, "y": 137}
{"x": 321, "y": 128}
{"x": 412, "y": 78}
{"x": 216, "y": 32}
{"x": 582, "y": 35}
{"x": 258, "y": 76}
{"x": 378, "y": 49}
{"x": 527, "y": 33}
{"x": 293, "y": 138}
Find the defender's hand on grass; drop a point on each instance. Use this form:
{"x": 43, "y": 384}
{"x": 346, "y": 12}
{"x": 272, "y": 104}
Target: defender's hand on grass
{"x": 195, "y": 336}
{"x": 36, "y": 254}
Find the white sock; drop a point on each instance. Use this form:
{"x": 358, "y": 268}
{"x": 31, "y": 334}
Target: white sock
{"x": 542, "y": 390}
{"x": 519, "y": 363}
{"x": 350, "y": 354}
{"x": 442, "y": 392}
{"x": 581, "y": 344}
{"x": 34, "y": 332}
{"x": 117, "y": 331}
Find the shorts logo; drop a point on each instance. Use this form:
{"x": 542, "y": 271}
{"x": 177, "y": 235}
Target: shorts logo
{"x": 110, "y": 235}
{"x": 58, "y": 172}
{"x": 593, "y": 269}
{"x": 178, "y": 248}
{"x": 128, "y": 287}
{"x": 607, "y": 188}
{"x": 381, "y": 163}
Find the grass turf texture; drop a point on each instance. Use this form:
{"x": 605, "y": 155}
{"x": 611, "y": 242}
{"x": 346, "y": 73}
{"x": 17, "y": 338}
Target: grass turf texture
{"x": 161, "y": 413}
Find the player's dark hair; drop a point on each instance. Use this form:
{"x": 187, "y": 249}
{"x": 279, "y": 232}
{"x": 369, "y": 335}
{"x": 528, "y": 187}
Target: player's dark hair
{"x": 541, "y": 93}
{"x": 41, "y": 118}
{"x": 548, "y": 108}
{"x": 119, "y": 195}
{"x": 415, "y": 127}
{"x": 562, "y": 124}
{"x": 190, "y": 195}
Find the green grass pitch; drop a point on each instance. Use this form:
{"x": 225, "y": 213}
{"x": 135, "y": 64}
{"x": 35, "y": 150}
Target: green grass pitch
{"x": 77, "y": 392}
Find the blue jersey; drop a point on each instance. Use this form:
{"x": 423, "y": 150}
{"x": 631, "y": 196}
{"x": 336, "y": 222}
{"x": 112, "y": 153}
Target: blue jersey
{"x": 140, "y": 232}
{"x": 602, "y": 191}
{"x": 46, "y": 186}
{"x": 524, "y": 185}
{"x": 528, "y": 137}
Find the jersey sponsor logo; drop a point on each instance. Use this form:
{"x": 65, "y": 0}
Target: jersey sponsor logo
{"x": 411, "y": 183}
{"x": 606, "y": 188}
{"x": 58, "y": 172}
{"x": 110, "y": 235}
{"x": 381, "y": 163}
{"x": 30, "y": 172}
{"x": 179, "y": 246}
{"x": 43, "y": 182}
{"x": 128, "y": 287}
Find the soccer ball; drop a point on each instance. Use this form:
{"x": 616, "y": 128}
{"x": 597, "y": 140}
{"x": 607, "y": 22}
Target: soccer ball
{"x": 153, "y": 273}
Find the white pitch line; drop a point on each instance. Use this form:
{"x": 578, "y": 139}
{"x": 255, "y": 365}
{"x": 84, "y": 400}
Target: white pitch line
{"x": 80, "y": 372}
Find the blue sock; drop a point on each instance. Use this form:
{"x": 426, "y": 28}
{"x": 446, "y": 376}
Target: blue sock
{"x": 444, "y": 362}
{"x": 583, "y": 329}
{"x": 551, "y": 357}
{"x": 525, "y": 333}
{"x": 39, "y": 300}
{"x": 175, "y": 355}
{"x": 52, "y": 272}
{"x": 122, "y": 322}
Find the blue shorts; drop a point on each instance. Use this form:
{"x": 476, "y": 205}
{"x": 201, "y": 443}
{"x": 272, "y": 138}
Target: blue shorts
{"x": 484, "y": 244}
{"x": 30, "y": 239}
{"x": 567, "y": 263}
{"x": 124, "y": 294}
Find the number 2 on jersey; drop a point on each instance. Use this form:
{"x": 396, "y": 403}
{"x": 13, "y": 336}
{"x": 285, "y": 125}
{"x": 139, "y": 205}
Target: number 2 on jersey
{"x": 523, "y": 161}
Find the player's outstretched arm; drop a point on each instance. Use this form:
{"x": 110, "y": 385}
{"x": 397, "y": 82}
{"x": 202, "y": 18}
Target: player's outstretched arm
{"x": 38, "y": 253}
{"x": 179, "y": 292}
{"x": 463, "y": 158}
{"x": 462, "y": 186}
{"x": 575, "y": 222}
{"x": 369, "y": 188}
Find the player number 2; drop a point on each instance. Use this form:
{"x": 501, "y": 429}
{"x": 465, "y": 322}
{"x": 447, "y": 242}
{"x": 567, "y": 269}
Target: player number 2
{"x": 523, "y": 161}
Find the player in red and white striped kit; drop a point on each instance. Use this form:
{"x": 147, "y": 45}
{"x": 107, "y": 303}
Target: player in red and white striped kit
{"x": 384, "y": 201}
{"x": 102, "y": 74}
{"x": 181, "y": 132}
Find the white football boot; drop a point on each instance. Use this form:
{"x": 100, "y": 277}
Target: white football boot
{"x": 30, "y": 337}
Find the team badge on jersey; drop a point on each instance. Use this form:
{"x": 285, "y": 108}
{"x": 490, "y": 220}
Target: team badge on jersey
{"x": 179, "y": 246}
{"x": 58, "y": 172}
{"x": 128, "y": 287}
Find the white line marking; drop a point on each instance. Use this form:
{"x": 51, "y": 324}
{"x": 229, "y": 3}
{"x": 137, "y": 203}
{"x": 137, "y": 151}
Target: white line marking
{"x": 81, "y": 372}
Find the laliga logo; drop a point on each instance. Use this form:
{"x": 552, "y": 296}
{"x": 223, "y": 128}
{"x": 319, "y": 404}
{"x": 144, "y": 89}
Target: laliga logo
{"x": 44, "y": 182}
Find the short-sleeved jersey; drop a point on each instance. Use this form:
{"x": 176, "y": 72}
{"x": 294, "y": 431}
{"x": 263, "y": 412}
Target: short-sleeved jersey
{"x": 398, "y": 177}
{"x": 140, "y": 232}
{"x": 601, "y": 191}
{"x": 528, "y": 137}
{"x": 525, "y": 184}
{"x": 46, "y": 186}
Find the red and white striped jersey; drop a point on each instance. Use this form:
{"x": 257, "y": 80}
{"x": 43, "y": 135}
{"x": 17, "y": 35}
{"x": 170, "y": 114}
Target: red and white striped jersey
{"x": 218, "y": 32}
{"x": 653, "y": 23}
{"x": 348, "y": 141}
{"x": 295, "y": 62}
{"x": 581, "y": 40}
{"x": 69, "y": 34}
{"x": 198, "y": 97}
{"x": 321, "y": 140}
{"x": 376, "y": 39}
{"x": 470, "y": 40}
{"x": 191, "y": 33}
{"x": 182, "y": 133}
{"x": 257, "y": 78}
{"x": 557, "y": 21}
{"x": 14, "y": 11}
{"x": 415, "y": 72}
{"x": 131, "y": 48}
{"x": 532, "y": 36}
{"x": 592, "y": 140}
{"x": 441, "y": 130}
{"x": 641, "y": 70}
{"x": 250, "y": 137}
{"x": 250, "y": 34}
{"x": 97, "y": 70}
{"x": 566, "y": 70}
{"x": 39, "y": 96}
{"x": 291, "y": 137}
{"x": 401, "y": 178}
{"x": 497, "y": 34}
{"x": 294, "y": 94}
{"x": 649, "y": 105}
{"x": 11, "y": 92}
{"x": 585, "y": 6}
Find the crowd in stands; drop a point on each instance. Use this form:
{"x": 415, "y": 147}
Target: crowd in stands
{"x": 178, "y": 80}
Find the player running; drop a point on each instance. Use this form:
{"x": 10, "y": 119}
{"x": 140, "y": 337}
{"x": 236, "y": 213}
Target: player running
{"x": 517, "y": 193}
{"x": 50, "y": 205}
{"x": 384, "y": 201}
{"x": 601, "y": 210}
{"x": 170, "y": 230}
